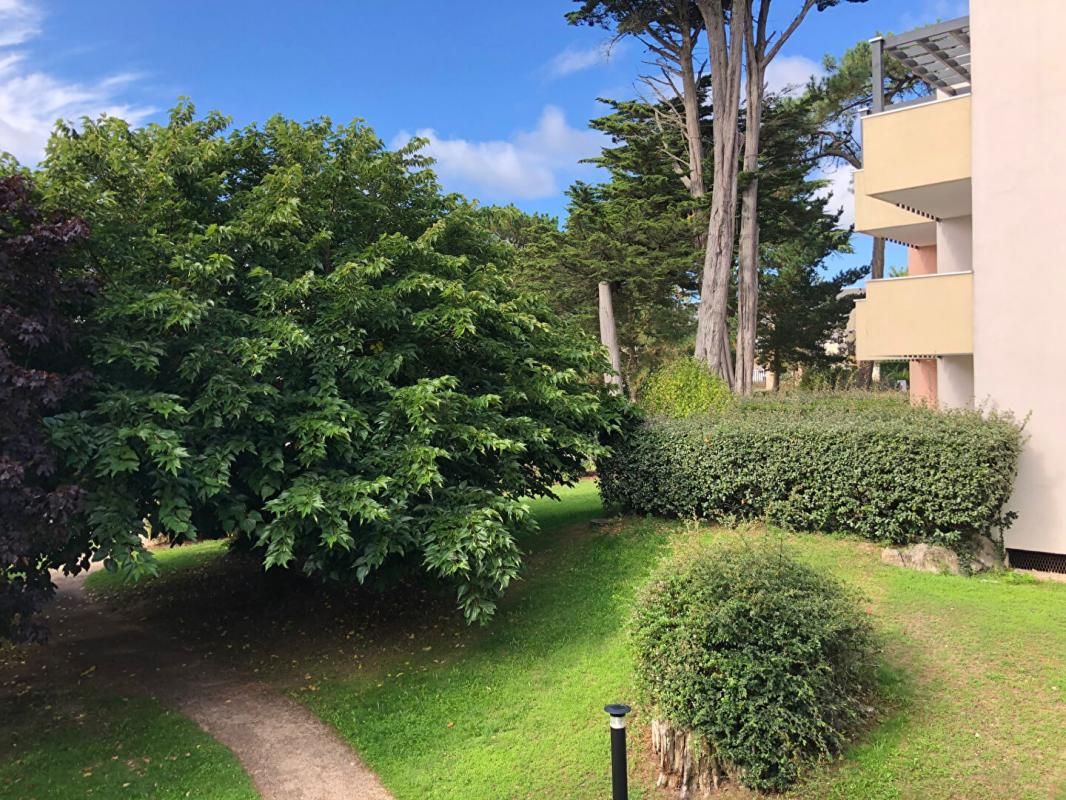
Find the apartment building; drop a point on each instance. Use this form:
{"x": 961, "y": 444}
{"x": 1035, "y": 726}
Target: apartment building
{"x": 972, "y": 179}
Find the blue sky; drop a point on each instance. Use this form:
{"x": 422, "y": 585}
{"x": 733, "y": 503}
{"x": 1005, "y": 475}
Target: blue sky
{"x": 504, "y": 89}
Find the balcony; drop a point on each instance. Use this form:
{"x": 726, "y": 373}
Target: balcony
{"x": 917, "y": 317}
{"x": 878, "y": 218}
{"x": 918, "y": 157}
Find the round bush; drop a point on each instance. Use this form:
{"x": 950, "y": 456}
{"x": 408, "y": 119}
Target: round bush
{"x": 684, "y": 388}
{"x": 764, "y": 658}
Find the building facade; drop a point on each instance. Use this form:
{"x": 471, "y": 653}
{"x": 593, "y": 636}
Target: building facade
{"x": 971, "y": 179}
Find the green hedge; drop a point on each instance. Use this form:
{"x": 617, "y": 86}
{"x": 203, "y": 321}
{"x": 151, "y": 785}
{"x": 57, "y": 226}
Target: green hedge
{"x": 768, "y": 661}
{"x": 856, "y": 463}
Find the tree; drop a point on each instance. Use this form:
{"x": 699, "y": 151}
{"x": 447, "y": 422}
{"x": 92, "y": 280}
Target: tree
{"x": 41, "y": 373}
{"x": 669, "y": 29}
{"x": 726, "y": 22}
{"x": 800, "y": 309}
{"x": 636, "y": 231}
{"x": 302, "y": 343}
{"x": 837, "y": 100}
{"x": 760, "y": 49}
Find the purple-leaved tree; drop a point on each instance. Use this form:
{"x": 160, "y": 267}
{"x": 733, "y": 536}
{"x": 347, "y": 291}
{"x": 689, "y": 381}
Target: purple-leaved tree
{"x": 40, "y": 375}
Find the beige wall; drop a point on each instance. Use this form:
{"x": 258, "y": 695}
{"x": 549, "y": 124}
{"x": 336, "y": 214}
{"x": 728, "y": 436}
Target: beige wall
{"x": 917, "y": 316}
{"x": 878, "y": 218}
{"x": 1019, "y": 246}
{"x": 919, "y": 156}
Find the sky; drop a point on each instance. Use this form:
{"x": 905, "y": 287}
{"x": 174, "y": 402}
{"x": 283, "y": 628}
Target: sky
{"x": 503, "y": 89}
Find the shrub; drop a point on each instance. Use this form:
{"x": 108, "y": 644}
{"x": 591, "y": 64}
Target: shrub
{"x": 303, "y": 343}
{"x": 768, "y": 661}
{"x": 858, "y": 463}
{"x": 685, "y": 388}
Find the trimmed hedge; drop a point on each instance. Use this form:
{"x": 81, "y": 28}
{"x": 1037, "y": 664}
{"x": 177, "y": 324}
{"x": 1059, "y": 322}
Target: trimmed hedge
{"x": 684, "y": 388}
{"x": 855, "y": 463}
{"x": 767, "y": 660}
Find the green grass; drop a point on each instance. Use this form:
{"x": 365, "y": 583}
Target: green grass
{"x": 973, "y": 675}
{"x": 974, "y": 679}
{"x": 171, "y": 561}
{"x": 112, "y": 748}
{"x": 514, "y": 711}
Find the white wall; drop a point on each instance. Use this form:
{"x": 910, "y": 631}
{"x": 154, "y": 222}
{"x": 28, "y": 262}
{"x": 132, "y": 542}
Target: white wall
{"x": 954, "y": 245}
{"x": 954, "y": 253}
{"x": 1019, "y": 245}
{"x": 954, "y": 381}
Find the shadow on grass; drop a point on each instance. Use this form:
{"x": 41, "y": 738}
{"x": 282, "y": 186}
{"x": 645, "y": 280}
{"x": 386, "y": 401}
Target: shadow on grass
{"x": 221, "y": 601}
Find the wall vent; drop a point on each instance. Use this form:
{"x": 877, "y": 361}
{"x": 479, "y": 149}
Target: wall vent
{"x": 1034, "y": 560}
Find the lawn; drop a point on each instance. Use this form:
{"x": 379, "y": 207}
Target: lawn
{"x": 514, "y": 711}
{"x": 171, "y": 561}
{"x": 973, "y": 676}
{"x": 111, "y": 748}
{"x": 974, "y": 679}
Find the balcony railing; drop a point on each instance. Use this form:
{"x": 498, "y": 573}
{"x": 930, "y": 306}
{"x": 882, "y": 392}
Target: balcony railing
{"x": 915, "y": 317}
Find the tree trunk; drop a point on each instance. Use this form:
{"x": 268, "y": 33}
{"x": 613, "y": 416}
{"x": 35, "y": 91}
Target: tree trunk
{"x": 748, "y": 259}
{"x": 726, "y": 57}
{"x": 609, "y": 338}
{"x": 685, "y": 762}
{"x": 691, "y": 101}
{"x": 865, "y": 373}
{"x": 877, "y": 259}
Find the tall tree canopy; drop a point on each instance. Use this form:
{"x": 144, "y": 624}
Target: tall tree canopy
{"x": 302, "y": 343}
{"x": 40, "y": 374}
{"x": 639, "y": 229}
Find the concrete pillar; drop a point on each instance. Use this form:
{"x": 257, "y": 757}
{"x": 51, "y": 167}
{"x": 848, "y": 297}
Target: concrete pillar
{"x": 954, "y": 381}
{"x": 954, "y": 245}
{"x": 923, "y": 377}
{"x": 921, "y": 260}
{"x": 923, "y": 388}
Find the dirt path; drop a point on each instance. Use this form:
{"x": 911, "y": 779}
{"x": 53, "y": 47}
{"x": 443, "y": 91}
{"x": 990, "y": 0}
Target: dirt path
{"x": 288, "y": 752}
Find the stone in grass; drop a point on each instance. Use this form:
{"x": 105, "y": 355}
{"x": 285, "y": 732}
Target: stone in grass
{"x": 602, "y": 522}
{"x": 924, "y": 558}
{"x": 984, "y": 555}
{"x": 981, "y": 555}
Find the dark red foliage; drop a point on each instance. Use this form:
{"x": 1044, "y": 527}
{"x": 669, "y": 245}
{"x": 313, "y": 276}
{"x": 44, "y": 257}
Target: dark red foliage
{"x": 40, "y": 375}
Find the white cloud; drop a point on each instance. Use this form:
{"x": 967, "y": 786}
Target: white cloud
{"x": 839, "y": 193}
{"x": 576, "y": 59}
{"x": 525, "y": 166}
{"x": 19, "y": 21}
{"x": 32, "y": 100}
{"x": 789, "y": 74}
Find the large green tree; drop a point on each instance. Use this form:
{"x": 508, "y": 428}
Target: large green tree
{"x": 635, "y": 231}
{"x": 302, "y": 343}
{"x": 639, "y": 229}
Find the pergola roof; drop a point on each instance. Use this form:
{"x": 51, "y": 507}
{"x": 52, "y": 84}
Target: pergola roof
{"x": 939, "y": 55}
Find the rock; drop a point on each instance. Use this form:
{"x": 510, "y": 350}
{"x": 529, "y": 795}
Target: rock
{"x": 601, "y": 522}
{"x": 985, "y": 555}
{"x": 924, "y": 558}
